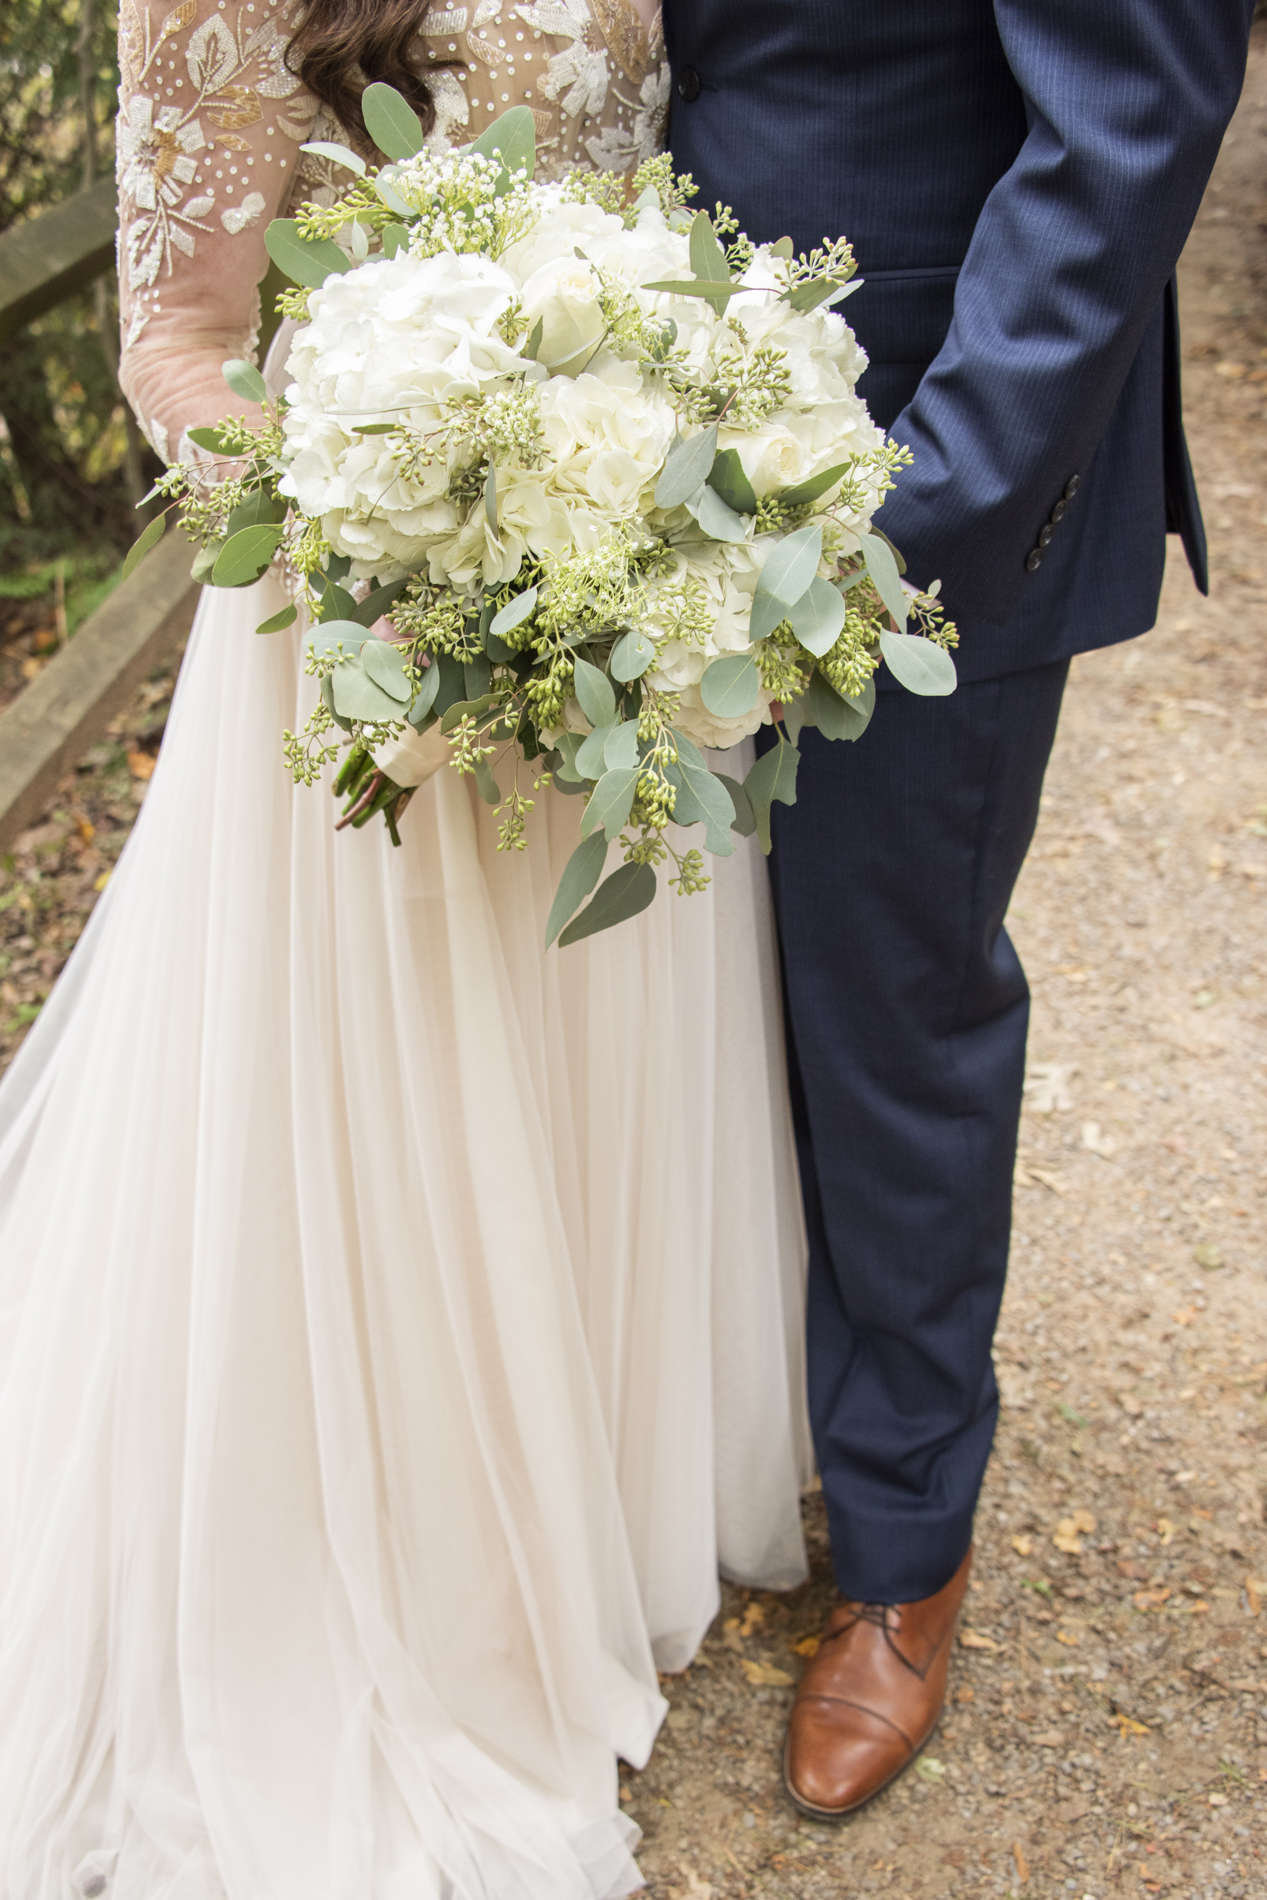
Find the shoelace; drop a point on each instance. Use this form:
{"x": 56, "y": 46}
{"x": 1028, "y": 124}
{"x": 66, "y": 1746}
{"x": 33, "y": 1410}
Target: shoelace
{"x": 879, "y": 1614}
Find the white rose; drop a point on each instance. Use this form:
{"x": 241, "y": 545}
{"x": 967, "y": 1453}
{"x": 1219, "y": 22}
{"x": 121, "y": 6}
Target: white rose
{"x": 563, "y": 297}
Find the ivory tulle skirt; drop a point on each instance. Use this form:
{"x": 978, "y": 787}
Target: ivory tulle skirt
{"x": 399, "y": 1326}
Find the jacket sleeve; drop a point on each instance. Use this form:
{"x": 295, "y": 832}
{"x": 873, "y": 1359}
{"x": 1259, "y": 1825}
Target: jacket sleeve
{"x": 1127, "y": 101}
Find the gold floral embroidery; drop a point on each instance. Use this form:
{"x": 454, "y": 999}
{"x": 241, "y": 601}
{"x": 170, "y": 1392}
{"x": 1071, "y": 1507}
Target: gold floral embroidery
{"x": 626, "y": 36}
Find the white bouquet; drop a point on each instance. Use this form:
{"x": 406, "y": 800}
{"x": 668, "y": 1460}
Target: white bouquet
{"x": 601, "y": 464}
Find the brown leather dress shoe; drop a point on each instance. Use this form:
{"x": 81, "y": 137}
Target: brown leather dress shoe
{"x": 869, "y": 1699}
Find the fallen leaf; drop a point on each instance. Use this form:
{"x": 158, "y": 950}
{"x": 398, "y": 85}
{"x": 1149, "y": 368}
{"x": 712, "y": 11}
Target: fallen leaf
{"x": 1047, "y": 1084}
{"x": 1217, "y": 1800}
{"x": 101, "y": 882}
{"x": 965, "y": 1695}
{"x": 141, "y": 764}
{"x": 1165, "y": 1531}
{"x": 1022, "y": 1865}
{"x": 1186, "y": 1315}
{"x": 808, "y": 1646}
{"x": 765, "y": 1676}
{"x": 1127, "y": 1727}
{"x": 1070, "y": 1638}
{"x": 973, "y": 1639}
{"x": 930, "y": 1768}
{"x": 1207, "y": 1256}
{"x": 1130, "y": 1404}
{"x": 1096, "y": 1141}
{"x": 1069, "y": 1532}
{"x": 1255, "y": 1591}
{"x": 86, "y": 829}
{"x": 1150, "y": 1599}
{"x": 1022, "y": 1546}
{"x": 1054, "y": 1740}
{"x": 753, "y": 1618}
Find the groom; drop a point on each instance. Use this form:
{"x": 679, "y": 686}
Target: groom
{"x": 1017, "y": 178}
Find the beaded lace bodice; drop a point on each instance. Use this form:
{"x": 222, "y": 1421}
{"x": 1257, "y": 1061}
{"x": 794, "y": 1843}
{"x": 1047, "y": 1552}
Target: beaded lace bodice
{"x": 211, "y": 122}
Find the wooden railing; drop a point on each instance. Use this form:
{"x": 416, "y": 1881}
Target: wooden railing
{"x": 69, "y": 705}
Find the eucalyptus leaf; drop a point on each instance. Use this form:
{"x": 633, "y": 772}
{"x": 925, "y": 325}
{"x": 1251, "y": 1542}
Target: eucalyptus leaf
{"x": 209, "y": 439}
{"x": 244, "y": 380}
{"x": 357, "y": 696}
{"x": 148, "y": 538}
{"x": 621, "y": 748}
{"x": 771, "y": 781}
{"x": 307, "y": 261}
{"x": 341, "y": 155}
{"x": 450, "y": 682}
{"x": 514, "y": 613}
{"x": 882, "y": 568}
{"x": 743, "y": 824}
{"x": 336, "y": 603}
{"x": 277, "y": 622}
{"x": 686, "y": 467}
{"x": 808, "y": 491}
{"x": 719, "y": 520}
{"x": 767, "y": 614}
{"x": 478, "y": 675}
{"x": 707, "y": 798}
{"x": 512, "y": 138}
{"x": 782, "y": 247}
{"x": 808, "y": 296}
{"x": 382, "y": 183}
{"x": 594, "y": 693}
{"x": 622, "y": 895}
{"x": 329, "y": 635}
{"x": 391, "y": 122}
{"x": 817, "y": 617}
{"x": 610, "y": 802}
{"x": 631, "y": 656}
{"x": 256, "y": 508}
{"x": 835, "y": 716}
{"x": 793, "y": 564}
{"x": 568, "y": 746}
{"x": 728, "y": 478}
{"x": 486, "y": 784}
{"x": 894, "y": 550}
{"x": 385, "y": 665}
{"x": 918, "y": 664}
{"x": 730, "y": 685}
{"x": 464, "y": 709}
{"x": 708, "y": 259}
{"x": 376, "y": 603}
{"x": 327, "y": 694}
{"x": 395, "y": 238}
{"x": 718, "y": 295}
{"x": 245, "y": 556}
{"x": 490, "y": 497}
{"x": 580, "y": 874}
{"x": 203, "y": 563}
{"x": 425, "y": 698}
{"x": 590, "y": 757}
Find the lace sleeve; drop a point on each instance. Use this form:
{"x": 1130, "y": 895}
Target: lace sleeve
{"x": 210, "y": 122}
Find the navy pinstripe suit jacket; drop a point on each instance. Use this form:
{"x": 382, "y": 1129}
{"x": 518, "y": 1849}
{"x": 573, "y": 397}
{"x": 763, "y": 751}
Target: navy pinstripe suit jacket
{"x": 1018, "y": 178}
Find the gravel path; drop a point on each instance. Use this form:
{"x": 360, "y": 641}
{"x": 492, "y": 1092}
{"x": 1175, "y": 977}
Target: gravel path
{"x": 1107, "y": 1728}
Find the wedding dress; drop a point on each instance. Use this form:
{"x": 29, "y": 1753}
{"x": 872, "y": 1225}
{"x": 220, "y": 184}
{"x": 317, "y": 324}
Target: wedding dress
{"x": 399, "y": 1324}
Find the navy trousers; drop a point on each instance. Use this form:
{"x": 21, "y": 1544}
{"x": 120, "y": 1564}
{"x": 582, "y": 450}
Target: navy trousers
{"x": 907, "y": 1012}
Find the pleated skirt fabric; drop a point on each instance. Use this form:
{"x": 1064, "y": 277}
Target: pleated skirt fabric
{"x": 399, "y": 1328}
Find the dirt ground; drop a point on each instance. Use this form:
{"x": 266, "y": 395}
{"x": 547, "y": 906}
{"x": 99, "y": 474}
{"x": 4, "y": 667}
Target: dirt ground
{"x": 1107, "y": 1727}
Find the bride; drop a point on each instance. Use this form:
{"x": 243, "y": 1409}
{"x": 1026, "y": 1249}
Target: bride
{"x": 399, "y": 1325}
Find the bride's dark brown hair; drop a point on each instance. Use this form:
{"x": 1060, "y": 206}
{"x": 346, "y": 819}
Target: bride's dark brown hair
{"x": 342, "y": 46}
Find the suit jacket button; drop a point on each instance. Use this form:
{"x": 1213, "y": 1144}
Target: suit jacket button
{"x": 1045, "y": 535}
{"x": 688, "y": 85}
{"x": 1034, "y": 560}
{"x": 1072, "y": 486}
{"x": 1059, "y": 512}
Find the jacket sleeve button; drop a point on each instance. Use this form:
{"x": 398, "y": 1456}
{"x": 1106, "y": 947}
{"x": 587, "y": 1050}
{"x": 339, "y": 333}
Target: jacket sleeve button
{"x": 1045, "y": 535}
{"x": 1072, "y": 486}
{"x": 1034, "y": 560}
{"x": 1059, "y": 512}
{"x": 689, "y": 85}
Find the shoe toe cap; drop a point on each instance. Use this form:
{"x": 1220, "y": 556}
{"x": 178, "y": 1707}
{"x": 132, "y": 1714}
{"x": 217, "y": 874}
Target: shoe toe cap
{"x": 839, "y": 1755}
